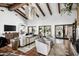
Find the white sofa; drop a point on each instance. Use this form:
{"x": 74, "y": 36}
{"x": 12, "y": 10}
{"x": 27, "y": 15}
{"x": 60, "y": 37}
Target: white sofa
{"x": 50, "y": 38}
{"x": 42, "y": 47}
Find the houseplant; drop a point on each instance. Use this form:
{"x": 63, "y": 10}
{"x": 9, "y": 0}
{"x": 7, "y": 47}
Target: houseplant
{"x": 67, "y": 8}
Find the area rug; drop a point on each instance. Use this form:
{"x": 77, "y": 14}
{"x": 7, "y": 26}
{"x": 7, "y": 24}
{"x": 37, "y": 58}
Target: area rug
{"x": 8, "y": 51}
{"x": 8, "y": 54}
{"x": 26, "y": 48}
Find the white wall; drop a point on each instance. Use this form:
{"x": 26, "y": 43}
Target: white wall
{"x": 9, "y": 18}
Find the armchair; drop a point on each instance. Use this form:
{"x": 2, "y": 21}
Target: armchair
{"x": 42, "y": 46}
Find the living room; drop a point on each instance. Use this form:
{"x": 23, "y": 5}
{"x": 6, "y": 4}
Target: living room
{"x": 47, "y": 22}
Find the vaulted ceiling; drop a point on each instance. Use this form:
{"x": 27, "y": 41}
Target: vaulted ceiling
{"x": 43, "y": 9}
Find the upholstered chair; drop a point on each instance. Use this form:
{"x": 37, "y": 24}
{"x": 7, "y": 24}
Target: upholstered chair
{"x": 42, "y": 46}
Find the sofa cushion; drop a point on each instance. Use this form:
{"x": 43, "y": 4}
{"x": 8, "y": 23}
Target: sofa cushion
{"x": 42, "y": 40}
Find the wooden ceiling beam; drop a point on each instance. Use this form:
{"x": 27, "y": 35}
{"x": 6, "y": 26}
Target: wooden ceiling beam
{"x": 16, "y": 6}
{"x": 37, "y": 15}
{"x": 59, "y": 8}
{"x": 4, "y": 5}
{"x": 23, "y": 8}
{"x": 40, "y": 9}
{"x": 21, "y": 13}
{"x": 49, "y": 8}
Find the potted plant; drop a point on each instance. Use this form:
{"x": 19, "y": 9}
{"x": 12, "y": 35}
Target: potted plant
{"x": 68, "y": 8}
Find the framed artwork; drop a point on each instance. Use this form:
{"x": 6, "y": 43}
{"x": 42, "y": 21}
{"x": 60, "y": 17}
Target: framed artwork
{"x": 59, "y": 31}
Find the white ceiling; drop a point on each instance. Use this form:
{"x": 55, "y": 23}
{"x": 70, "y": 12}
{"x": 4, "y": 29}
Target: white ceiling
{"x": 53, "y": 7}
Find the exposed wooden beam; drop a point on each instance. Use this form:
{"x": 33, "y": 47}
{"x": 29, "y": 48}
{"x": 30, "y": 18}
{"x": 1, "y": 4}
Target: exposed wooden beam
{"x": 59, "y": 7}
{"x": 40, "y": 9}
{"x": 16, "y": 6}
{"x": 49, "y": 8}
{"x": 4, "y": 5}
{"x": 27, "y": 4}
{"x": 20, "y": 13}
{"x": 23, "y": 8}
{"x": 37, "y": 15}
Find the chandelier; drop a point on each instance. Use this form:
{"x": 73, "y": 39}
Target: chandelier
{"x": 30, "y": 11}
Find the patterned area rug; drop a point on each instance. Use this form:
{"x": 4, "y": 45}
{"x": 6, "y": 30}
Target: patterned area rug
{"x": 8, "y": 54}
{"x": 8, "y": 51}
{"x": 26, "y": 48}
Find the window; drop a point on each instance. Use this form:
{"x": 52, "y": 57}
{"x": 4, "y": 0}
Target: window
{"x": 45, "y": 30}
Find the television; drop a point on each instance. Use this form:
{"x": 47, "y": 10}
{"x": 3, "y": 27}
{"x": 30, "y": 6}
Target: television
{"x": 9, "y": 28}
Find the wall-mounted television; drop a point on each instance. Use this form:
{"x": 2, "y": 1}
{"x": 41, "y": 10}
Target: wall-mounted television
{"x": 9, "y": 28}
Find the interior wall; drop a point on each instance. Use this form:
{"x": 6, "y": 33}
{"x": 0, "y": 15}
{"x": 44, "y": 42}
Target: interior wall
{"x": 9, "y": 18}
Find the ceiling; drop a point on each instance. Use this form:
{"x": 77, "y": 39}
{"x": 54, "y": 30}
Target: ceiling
{"x": 42, "y": 9}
